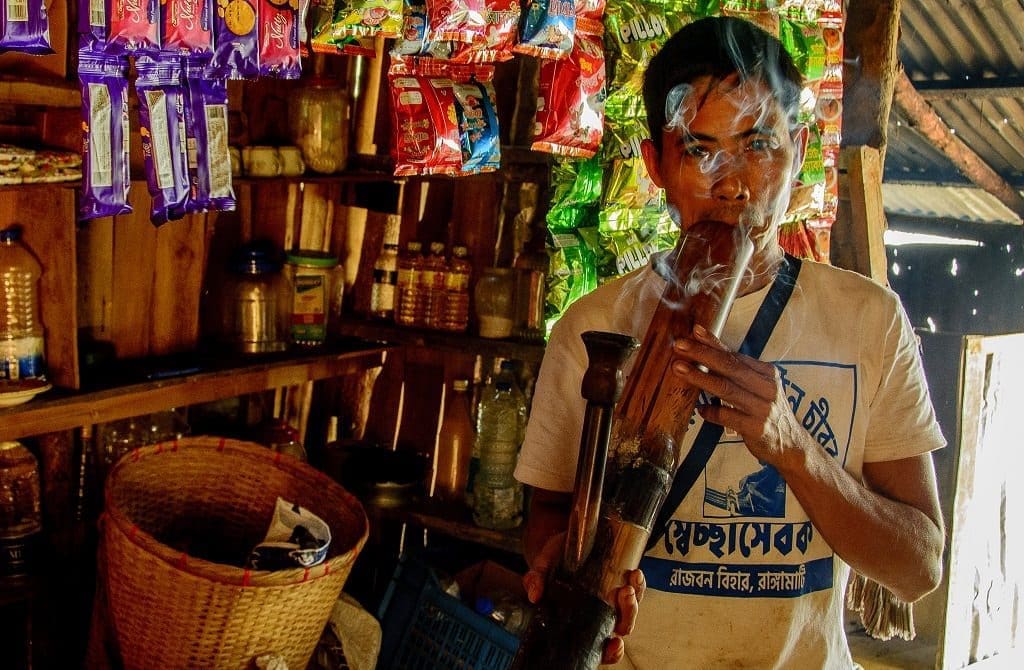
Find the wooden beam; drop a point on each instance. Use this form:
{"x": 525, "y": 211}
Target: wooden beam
{"x": 922, "y": 117}
{"x": 857, "y": 234}
{"x": 931, "y": 92}
{"x": 870, "y": 38}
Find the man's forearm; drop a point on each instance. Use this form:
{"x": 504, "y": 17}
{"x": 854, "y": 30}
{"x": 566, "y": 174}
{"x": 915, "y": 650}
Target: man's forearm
{"x": 892, "y": 534}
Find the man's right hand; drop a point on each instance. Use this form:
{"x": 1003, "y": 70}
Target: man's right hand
{"x": 627, "y": 598}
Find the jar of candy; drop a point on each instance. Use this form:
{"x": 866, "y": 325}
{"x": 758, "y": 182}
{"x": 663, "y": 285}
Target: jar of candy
{"x": 318, "y": 120}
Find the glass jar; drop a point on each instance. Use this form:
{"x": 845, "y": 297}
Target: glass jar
{"x": 315, "y": 299}
{"x": 319, "y": 126}
{"x": 256, "y": 300}
{"x": 494, "y": 295}
{"x": 20, "y": 516}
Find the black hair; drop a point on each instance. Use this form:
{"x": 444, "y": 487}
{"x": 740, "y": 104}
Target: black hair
{"x": 719, "y": 47}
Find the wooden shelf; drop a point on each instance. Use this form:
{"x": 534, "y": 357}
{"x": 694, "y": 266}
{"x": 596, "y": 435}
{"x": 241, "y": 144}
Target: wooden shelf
{"x": 62, "y": 410}
{"x": 455, "y": 521}
{"x": 381, "y": 331}
{"x": 53, "y": 92}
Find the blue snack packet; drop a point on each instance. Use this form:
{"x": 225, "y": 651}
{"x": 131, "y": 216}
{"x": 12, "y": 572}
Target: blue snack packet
{"x": 162, "y": 117}
{"x": 25, "y": 27}
{"x": 105, "y": 175}
{"x": 236, "y": 47}
{"x": 478, "y": 119}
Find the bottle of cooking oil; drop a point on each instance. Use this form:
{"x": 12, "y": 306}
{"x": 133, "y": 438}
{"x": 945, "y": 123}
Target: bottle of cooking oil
{"x": 409, "y": 299}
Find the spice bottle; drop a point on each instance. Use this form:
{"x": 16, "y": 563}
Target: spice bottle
{"x": 20, "y": 517}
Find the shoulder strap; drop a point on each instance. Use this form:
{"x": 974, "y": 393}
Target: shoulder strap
{"x": 704, "y": 444}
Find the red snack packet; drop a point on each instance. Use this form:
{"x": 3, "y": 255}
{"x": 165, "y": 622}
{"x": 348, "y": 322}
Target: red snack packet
{"x": 424, "y": 120}
{"x": 279, "y": 39}
{"x": 500, "y": 35}
{"x": 570, "y": 110}
{"x": 187, "y": 26}
{"x": 456, "y": 20}
{"x": 134, "y": 26}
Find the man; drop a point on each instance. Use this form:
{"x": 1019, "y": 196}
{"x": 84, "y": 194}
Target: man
{"x": 836, "y": 406}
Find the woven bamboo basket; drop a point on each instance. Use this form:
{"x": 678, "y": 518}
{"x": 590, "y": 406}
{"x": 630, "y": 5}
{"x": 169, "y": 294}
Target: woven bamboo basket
{"x": 168, "y": 504}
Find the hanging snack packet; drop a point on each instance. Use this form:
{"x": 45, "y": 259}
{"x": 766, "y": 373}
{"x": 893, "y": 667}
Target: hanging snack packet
{"x": 367, "y": 18}
{"x": 500, "y": 35}
{"x": 574, "y": 183}
{"x": 162, "y": 119}
{"x": 758, "y": 12}
{"x": 187, "y": 26}
{"x": 105, "y": 177}
{"x": 236, "y": 49}
{"x": 457, "y": 20}
{"x": 570, "y": 105}
{"x": 629, "y": 185}
{"x": 478, "y": 118}
{"x": 206, "y": 130}
{"x": 279, "y": 39}
{"x": 134, "y": 26}
{"x": 635, "y": 32}
{"x": 424, "y": 121}
{"x": 25, "y": 27}
{"x": 92, "y": 22}
{"x": 414, "y": 40}
{"x": 571, "y": 274}
{"x": 548, "y": 29}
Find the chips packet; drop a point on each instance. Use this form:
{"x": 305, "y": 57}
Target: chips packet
{"x": 457, "y": 20}
{"x": 635, "y": 31}
{"x": 414, "y": 40}
{"x": 279, "y": 39}
{"x": 571, "y": 274}
{"x": 575, "y": 184}
{"x": 548, "y": 29}
{"x": 424, "y": 120}
{"x": 570, "y": 105}
{"x": 134, "y": 26}
{"x": 367, "y": 18}
{"x": 629, "y": 184}
{"x": 236, "y": 48}
{"x": 164, "y": 146}
{"x": 187, "y": 26}
{"x": 500, "y": 35}
{"x": 477, "y": 113}
{"x": 206, "y": 131}
{"x": 24, "y": 27}
{"x": 105, "y": 175}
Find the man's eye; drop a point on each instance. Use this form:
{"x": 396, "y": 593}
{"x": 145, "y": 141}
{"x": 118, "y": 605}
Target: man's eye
{"x": 762, "y": 144}
{"x": 696, "y": 150}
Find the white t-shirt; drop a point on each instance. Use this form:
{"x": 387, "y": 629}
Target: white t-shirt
{"x": 742, "y": 579}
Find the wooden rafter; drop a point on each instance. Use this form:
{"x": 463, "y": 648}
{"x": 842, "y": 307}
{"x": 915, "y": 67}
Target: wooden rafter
{"x": 922, "y": 117}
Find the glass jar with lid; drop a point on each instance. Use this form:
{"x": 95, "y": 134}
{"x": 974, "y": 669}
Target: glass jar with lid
{"x": 256, "y": 299}
{"x": 318, "y": 121}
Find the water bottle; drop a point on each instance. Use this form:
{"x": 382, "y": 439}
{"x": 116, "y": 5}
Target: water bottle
{"x": 501, "y": 421}
{"x": 21, "y": 331}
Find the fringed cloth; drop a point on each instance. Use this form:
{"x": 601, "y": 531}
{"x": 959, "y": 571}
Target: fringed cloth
{"x": 883, "y": 615}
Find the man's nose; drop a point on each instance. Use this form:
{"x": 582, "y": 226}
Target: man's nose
{"x": 730, "y": 186}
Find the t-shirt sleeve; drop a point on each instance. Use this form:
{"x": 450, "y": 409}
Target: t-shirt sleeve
{"x": 902, "y": 422}
{"x": 550, "y": 449}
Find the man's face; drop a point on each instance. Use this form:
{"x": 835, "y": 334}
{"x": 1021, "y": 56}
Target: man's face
{"x": 728, "y": 156}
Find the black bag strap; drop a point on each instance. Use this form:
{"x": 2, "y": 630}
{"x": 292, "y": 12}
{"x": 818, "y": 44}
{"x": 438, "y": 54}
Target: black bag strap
{"x": 707, "y": 438}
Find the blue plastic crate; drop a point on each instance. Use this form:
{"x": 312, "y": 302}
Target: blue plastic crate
{"x": 424, "y": 628}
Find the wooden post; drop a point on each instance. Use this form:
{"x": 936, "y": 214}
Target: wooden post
{"x": 857, "y": 242}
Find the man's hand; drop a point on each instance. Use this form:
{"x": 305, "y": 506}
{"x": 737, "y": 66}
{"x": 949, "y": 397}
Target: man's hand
{"x": 627, "y": 598}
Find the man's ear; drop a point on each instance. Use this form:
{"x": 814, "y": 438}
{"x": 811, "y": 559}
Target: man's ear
{"x": 652, "y": 159}
{"x": 800, "y": 138}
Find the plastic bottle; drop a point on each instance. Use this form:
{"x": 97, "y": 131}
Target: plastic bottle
{"x": 385, "y": 281}
{"x": 455, "y": 445}
{"x": 511, "y": 613}
{"x": 501, "y": 421}
{"x": 410, "y": 265}
{"x": 432, "y": 282}
{"x": 21, "y": 330}
{"x": 20, "y": 517}
{"x": 456, "y": 306}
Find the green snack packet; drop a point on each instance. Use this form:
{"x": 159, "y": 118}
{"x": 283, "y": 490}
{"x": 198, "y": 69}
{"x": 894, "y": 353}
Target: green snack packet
{"x": 571, "y": 274}
{"x": 629, "y": 185}
{"x": 576, "y": 182}
{"x": 629, "y": 250}
{"x": 634, "y": 31}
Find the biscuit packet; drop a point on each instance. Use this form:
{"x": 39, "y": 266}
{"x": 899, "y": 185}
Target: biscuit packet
{"x": 187, "y": 26}
{"x": 206, "y": 132}
{"x": 105, "y": 176}
{"x": 501, "y": 34}
{"x": 414, "y": 40}
{"x": 424, "y": 121}
{"x": 25, "y": 27}
{"x": 279, "y": 38}
{"x": 236, "y": 48}
{"x": 570, "y": 105}
{"x": 92, "y": 21}
{"x": 478, "y": 118}
{"x": 367, "y": 18}
{"x": 134, "y": 26}
{"x": 457, "y": 20}
{"x": 162, "y": 119}
{"x": 548, "y": 29}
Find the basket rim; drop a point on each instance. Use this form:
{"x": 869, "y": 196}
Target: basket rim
{"x": 220, "y": 572}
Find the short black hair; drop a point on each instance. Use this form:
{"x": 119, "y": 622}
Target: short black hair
{"x": 719, "y": 47}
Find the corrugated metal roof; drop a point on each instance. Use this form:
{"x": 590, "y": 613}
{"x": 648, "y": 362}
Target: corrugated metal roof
{"x": 944, "y": 202}
{"x": 961, "y": 44}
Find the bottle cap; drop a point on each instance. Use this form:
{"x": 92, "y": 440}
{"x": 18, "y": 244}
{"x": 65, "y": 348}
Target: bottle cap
{"x": 483, "y": 605}
{"x": 437, "y": 248}
{"x": 414, "y": 246}
{"x": 310, "y": 258}
{"x": 460, "y": 250}
{"x": 12, "y": 234}
{"x": 256, "y": 257}
{"x": 503, "y": 386}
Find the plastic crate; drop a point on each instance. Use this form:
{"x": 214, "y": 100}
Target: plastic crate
{"x": 424, "y": 628}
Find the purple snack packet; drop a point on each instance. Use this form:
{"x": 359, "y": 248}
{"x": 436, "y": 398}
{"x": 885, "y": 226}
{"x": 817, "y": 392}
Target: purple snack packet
{"x": 236, "y": 45}
{"x": 134, "y": 26}
{"x": 105, "y": 176}
{"x": 92, "y": 21}
{"x": 206, "y": 126}
{"x": 162, "y": 117}
{"x": 25, "y": 27}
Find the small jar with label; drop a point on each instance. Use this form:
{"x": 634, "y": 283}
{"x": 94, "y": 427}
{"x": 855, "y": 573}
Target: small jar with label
{"x": 20, "y": 517}
{"x": 312, "y": 275}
